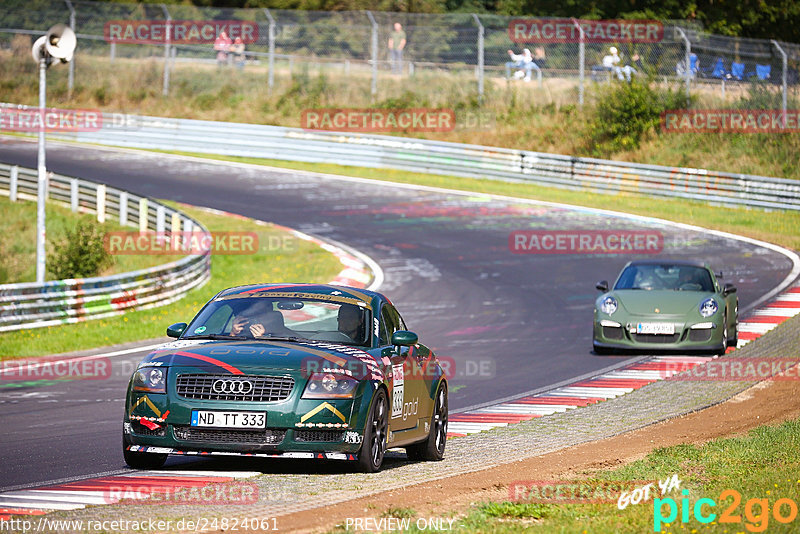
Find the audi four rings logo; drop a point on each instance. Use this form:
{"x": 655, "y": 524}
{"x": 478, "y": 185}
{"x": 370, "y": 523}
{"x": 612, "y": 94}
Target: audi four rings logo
{"x": 232, "y": 386}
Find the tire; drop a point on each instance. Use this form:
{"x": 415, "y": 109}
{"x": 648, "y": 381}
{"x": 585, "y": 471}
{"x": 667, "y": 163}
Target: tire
{"x": 141, "y": 460}
{"x": 370, "y": 457}
{"x": 432, "y": 449}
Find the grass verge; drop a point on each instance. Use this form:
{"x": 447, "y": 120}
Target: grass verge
{"x": 761, "y": 468}
{"x": 779, "y": 227}
{"x": 283, "y": 258}
{"x": 18, "y": 245}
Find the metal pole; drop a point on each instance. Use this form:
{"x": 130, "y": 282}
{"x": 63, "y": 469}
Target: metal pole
{"x": 42, "y": 175}
{"x": 688, "y": 63}
{"x": 783, "y": 81}
{"x": 271, "y": 75}
{"x": 374, "y": 87}
{"x": 581, "y": 60}
{"x": 480, "y": 56}
{"x": 71, "y": 79}
{"x": 165, "y": 89}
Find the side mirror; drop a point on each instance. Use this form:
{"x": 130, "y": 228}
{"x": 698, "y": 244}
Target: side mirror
{"x": 602, "y": 285}
{"x": 404, "y": 338}
{"x": 176, "y": 330}
{"x": 727, "y": 289}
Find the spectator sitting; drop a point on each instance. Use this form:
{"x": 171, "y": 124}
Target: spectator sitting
{"x": 522, "y": 62}
{"x": 539, "y": 57}
{"x": 612, "y": 62}
{"x": 237, "y": 49}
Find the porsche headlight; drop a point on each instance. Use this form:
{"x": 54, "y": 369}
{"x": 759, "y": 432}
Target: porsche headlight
{"x": 609, "y": 305}
{"x": 150, "y": 379}
{"x": 708, "y": 307}
{"x": 330, "y": 386}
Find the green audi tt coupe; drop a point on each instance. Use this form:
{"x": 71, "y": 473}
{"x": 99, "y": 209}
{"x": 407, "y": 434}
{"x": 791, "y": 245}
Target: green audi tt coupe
{"x": 658, "y": 305}
{"x": 288, "y": 371}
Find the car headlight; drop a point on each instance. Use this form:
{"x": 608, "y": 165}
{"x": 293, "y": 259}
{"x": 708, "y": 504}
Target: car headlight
{"x": 609, "y": 305}
{"x": 330, "y": 386}
{"x": 708, "y": 307}
{"x": 150, "y": 379}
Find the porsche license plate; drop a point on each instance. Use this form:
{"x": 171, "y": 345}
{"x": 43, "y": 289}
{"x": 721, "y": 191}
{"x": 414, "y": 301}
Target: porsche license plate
{"x": 217, "y": 419}
{"x": 655, "y": 328}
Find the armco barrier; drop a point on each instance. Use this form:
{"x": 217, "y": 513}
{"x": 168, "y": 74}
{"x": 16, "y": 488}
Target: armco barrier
{"x": 437, "y": 157}
{"x": 33, "y": 305}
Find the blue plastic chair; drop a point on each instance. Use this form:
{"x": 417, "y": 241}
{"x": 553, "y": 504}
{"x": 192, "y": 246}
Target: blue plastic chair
{"x": 737, "y": 71}
{"x": 719, "y": 69}
{"x": 763, "y": 71}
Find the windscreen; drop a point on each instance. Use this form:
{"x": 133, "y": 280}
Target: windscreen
{"x": 301, "y": 318}
{"x": 669, "y": 277}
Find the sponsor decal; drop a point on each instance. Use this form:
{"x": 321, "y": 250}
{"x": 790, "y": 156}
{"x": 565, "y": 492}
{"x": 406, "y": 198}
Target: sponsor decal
{"x": 398, "y": 390}
{"x": 353, "y": 437}
{"x": 540, "y": 30}
{"x": 324, "y": 406}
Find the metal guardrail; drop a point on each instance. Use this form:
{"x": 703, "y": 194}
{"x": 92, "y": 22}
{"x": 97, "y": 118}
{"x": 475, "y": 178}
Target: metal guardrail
{"x": 34, "y": 305}
{"x": 437, "y": 157}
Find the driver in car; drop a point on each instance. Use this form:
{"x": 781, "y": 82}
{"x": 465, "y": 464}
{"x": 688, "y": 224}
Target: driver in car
{"x": 351, "y": 321}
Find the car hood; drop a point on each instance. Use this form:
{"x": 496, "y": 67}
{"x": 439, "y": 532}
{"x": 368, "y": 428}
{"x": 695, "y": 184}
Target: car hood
{"x": 241, "y": 357}
{"x": 668, "y": 302}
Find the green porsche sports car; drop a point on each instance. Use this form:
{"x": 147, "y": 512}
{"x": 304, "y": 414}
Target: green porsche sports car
{"x": 666, "y": 305}
{"x": 288, "y": 371}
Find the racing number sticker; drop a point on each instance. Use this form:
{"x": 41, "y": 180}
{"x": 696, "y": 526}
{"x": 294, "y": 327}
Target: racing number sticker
{"x": 398, "y": 390}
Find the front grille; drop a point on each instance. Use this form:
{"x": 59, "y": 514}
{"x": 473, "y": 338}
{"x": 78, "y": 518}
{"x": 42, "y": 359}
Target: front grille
{"x": 327, "y": 436}
{"x": 700, "y": 334}
{"x": 264, "y": 388}
{"x": 612, "y": 332}
{"x": 216, "y": 435}
{"x": 656, "y": 338}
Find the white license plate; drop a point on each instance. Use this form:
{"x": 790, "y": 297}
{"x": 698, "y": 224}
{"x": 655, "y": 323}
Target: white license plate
{"x": 215, "y": 419}
{"x": 655, "y": 328}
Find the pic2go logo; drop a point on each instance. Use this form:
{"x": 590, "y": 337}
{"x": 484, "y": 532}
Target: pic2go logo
{"x": 756, "y": 511}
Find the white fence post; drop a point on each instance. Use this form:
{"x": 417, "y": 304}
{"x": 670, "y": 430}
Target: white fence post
{"x": 13, "y": 183}
{"x": 123, "y": 208}
{"x": 74, "y": 192}
{"x": 480, "y": 55}
{"x": 271, "y": 73}
{"x": 374, "y": 86}
{"x": 143, "y": 222}
{"x": 165, "y": 88}
{"x": 101, "y": 203}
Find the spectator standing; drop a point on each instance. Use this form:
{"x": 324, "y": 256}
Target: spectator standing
{"x": 539, "y": 57}
{"x": 222, "y": 45}
{"x": 397, "y": 42}
{"x": 237, "y": 49}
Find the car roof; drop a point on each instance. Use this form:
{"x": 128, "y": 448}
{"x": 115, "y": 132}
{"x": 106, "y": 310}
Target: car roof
{"x": 364, "y": 295}
{"x": 677, "y": 263}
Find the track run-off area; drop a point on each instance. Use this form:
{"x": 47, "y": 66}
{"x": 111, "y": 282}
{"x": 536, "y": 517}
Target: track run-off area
{"x": 514, "y": 325}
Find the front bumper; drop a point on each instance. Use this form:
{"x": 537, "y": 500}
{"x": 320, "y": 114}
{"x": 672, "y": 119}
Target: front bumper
{"x": 700, "y": 336}
{"x": 161, "y": 423}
